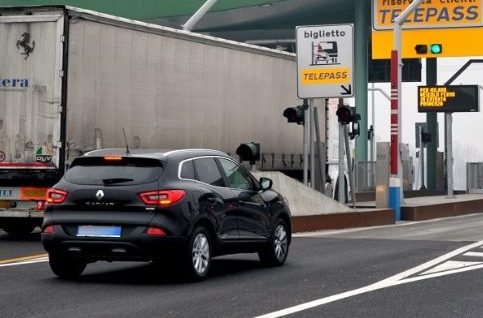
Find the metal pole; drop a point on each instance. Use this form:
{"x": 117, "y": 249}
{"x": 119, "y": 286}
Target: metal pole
{"x": 421, "y": 158}
{"x": 340, "y": 181}
{"x": 362, "y": 22}
{"x": 188, "y": 26}
{"x": 349, "y": 166}
{"x": 395, "y": 180}
{"x": 380, "y": 90}
{"x": 373, "y": 115}
{"x": 431, "y": 128}
{"x": 312, "y": 146}
{"x": 321, "y": 160}
{"x": 306, "y": 143}
{"x": 449, "y": 160}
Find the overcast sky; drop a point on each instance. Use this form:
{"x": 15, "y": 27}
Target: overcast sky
{"x": 467, "y": 127}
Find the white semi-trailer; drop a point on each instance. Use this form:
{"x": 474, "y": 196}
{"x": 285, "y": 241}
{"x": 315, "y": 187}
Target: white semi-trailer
{"x": 71, "y": 80}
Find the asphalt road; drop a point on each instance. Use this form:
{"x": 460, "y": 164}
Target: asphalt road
{"x": 400, "y": 271}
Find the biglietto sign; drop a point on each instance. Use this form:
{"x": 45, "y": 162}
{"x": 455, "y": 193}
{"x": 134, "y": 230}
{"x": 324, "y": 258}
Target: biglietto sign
{"x": 325, "y": 55}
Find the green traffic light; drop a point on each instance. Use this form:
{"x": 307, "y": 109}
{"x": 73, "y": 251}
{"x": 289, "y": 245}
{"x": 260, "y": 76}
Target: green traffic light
{"x": 436, "y": 48}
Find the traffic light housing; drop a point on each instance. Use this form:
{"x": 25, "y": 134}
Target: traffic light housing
{"x": 355, "y": 130}
{"x": 421, "y": 49}
{"x": 249, "y": 152}
{"x": 344, "y": 114}
{"x": 295, "y": 114}
{"x": 425, "y": 137}
{"x": 432, "y": 49}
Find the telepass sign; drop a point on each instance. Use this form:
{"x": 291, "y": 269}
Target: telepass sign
{"x": 429, "y": 14}
{"x": 454, "y": 27}
{"x": 325, "y": 61}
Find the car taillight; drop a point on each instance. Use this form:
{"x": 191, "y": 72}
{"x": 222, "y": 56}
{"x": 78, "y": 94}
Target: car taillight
{"x": 55, "y": 196}
{"x": 113, "y": 158}
{"x": 162, "y": 197}
{"x": 49, "y": 229}
{"x": 155, "y": 231}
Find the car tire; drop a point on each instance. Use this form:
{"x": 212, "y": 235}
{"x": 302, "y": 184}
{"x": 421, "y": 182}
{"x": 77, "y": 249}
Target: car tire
{"x": 276, "y": 251}
{"x": 66, "y": 267}
{"x": 197, "y": 260}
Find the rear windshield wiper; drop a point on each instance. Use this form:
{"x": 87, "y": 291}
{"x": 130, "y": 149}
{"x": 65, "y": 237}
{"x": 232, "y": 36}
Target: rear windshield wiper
{"x": 116, "y": 180}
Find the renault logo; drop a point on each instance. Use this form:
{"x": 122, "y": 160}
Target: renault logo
{"x": 99, "y": 195}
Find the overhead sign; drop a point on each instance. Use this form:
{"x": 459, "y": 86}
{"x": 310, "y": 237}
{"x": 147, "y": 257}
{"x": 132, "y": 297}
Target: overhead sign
{"x": 429, "y": 14}
{"x": 325, "y": 55}
{"x": 451, "y": 98}
{"x": 455, "y": 26}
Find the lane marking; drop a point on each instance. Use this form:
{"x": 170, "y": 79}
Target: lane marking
{"x": 24, "y": 260}
{"x": 398, "y": 279}
{"x": 450, "y": 265}
{"x": 475, "y": 254}
{"x": 39, "y": 260}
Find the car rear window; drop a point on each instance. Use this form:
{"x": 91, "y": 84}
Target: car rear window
{"x": 114, "y": 171}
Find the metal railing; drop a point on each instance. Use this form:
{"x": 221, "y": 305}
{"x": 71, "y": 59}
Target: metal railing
{"x": 365, "y": 175}
{"x": 474, "y": 177}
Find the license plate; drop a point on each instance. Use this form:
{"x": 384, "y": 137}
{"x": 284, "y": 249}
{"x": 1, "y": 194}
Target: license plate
{"x": 99, "y": 231}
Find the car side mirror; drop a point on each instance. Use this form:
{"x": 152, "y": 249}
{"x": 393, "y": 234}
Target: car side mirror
{"x": 265, "y": 183}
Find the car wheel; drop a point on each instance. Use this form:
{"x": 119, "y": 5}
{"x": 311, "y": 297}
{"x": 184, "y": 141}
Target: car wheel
{"x": 198, "y": 256}
{"x": 66, "y": 267}
{"x": 276, "y": 251}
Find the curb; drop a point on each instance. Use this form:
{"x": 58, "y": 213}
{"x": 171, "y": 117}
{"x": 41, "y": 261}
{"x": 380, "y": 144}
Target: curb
{"x": 435, "y": 211}
{"x": 362, "y": 218}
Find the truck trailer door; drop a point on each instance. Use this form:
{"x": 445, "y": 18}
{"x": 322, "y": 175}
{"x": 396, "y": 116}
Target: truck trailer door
{"x": 31, "y": 52}
{"x": 30, "y": 90}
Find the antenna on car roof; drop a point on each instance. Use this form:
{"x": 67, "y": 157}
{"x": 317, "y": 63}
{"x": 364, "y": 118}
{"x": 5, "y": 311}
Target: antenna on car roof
{"x": 125, "y": 140}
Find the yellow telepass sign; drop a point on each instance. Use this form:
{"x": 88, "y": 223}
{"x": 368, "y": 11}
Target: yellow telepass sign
{"x": 455, "y": 25}
{"x": 429, "y": 14}
{"x": 455, "y": 42}
{"x": 338, "y": 75}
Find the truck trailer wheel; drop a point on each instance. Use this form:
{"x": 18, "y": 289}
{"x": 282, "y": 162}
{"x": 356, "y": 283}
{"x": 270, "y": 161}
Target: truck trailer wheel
{"x": 18, "y": 228}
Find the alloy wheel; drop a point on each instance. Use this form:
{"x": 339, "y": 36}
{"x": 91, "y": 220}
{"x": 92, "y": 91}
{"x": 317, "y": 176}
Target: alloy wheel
{"x": 200, "y": 253}
{"x": 280, "y": 242}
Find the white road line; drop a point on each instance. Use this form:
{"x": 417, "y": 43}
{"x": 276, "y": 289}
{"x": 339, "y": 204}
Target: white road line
{"x": 451, "y": 266}
{"x": 398, "y": 279}
{"x": 31, "y": 261}
{"x": 475, "y": 254}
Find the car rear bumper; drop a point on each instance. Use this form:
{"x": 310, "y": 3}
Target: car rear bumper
{"x": 132, "y": 245}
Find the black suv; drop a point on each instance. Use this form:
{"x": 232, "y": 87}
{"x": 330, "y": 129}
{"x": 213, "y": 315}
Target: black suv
{"x": 187, "y": 205}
